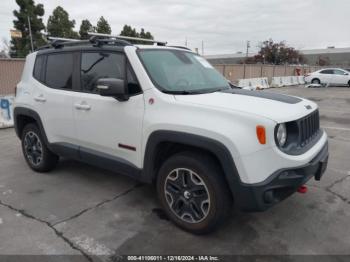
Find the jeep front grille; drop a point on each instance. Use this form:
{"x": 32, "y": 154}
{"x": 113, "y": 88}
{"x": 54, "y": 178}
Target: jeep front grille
{"x": 309, "y": 127}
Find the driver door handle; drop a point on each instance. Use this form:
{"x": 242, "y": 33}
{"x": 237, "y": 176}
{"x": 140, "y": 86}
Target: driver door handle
{"x": 82, "y": 106}
{"x": 40, "y": 98}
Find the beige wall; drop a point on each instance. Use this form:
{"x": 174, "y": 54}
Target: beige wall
{"x": 239, "y": 71}
{"x": 10, "y": 75}
{"x": 11, "y": 70}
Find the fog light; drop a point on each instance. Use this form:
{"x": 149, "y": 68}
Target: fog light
{"x": 268, "y": 197}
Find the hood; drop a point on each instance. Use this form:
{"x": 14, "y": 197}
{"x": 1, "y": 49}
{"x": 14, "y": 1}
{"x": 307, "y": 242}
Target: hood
{"x": 277, "y": 107}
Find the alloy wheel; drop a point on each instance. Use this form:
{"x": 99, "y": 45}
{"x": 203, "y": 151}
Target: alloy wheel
{"x": 187, "y": 195}
{"x": 33, "y": 148}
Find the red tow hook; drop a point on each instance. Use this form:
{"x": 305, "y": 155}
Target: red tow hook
{"x": 302, "y": 189}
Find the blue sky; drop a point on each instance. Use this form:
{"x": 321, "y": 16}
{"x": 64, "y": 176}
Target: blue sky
{"x": 223, "y": 25}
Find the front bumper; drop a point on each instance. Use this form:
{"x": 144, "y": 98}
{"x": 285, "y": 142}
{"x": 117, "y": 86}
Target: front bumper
{"x": 280, "y": 185}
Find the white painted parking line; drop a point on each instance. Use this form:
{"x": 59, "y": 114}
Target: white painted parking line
{"x": 337, "y": 128}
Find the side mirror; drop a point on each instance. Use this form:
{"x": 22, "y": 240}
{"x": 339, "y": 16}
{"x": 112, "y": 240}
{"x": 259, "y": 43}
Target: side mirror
{"x": 113, "y": 87}
{"x": 346, "y": 73}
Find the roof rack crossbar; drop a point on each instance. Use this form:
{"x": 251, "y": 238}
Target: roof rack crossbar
{"x": 181, "y": 47}
{"x": 62, "y": 39}
{"x": 161, "y": 43}
{"x": 97, "y": 41}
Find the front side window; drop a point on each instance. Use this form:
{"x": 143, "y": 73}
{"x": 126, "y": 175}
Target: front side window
{"x": 59, "y": 71}
{"x": 96, "y": 65}
{"x": 175, "y": 71}
{"x": 133, "y": 85}
{"x": 339, "y": 72}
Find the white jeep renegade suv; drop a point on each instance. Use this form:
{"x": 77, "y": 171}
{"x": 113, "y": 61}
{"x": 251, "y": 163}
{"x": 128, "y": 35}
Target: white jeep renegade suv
{"x": 164, "y": 115}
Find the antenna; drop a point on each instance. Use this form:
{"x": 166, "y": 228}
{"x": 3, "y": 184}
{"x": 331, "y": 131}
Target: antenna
{"x": 162, "y": 43}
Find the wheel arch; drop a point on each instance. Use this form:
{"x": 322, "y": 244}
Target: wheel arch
{"x": 24, "y": 116}
{"x": 315, "y": 78}
{"x": 163, "y": 144}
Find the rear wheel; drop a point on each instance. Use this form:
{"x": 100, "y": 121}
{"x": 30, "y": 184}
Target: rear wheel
{"x": 316, "y": 81}
{"x": 193, "y": 192}
{"x": 349, "y": 84}
{"x": 35, "y": 151}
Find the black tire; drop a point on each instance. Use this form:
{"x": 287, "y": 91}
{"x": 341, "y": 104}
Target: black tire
{"x": 349, "y": 84}
{"x": 37, "y": 155}
{"x": 316, "y": 81}
{"x": 205, "y": 176}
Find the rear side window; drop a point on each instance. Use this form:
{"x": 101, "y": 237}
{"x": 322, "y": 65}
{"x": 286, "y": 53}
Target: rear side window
{"x": 59, "y": 71}
{"x": 327, "y": 72}
{"x": 38, "y": 68}
{"x": 96, "y": 65}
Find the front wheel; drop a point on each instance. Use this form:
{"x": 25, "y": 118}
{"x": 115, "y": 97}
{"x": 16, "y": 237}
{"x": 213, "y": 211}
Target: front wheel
{"x": 35, "y": 151}
{"x": 316, "y": 81}
{"x": 193, "y": 192}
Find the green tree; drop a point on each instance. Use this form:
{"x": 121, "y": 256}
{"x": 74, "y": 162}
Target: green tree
{"x": 278, "y": 53}
{"x": 86, "y": 27}
{"x": 103, "y": 26}
{"x": 59, "y": 24}
{"x": 20, "y": 47}
{"x": 146, "y": 35}
{"x": 323, "y": 61}
{"x": 129, "y": 31}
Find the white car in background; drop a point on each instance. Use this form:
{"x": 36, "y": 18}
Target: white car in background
{"x": 329, "y": 76}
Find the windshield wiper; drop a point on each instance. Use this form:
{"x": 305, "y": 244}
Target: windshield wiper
{"x": 181, "y": 92}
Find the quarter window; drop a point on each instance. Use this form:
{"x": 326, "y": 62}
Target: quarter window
{"x": 133, "y": 85}
{"x": 59, "y": 71}
{"x": 96, "y": 65}
{"x": 38, "y": 68}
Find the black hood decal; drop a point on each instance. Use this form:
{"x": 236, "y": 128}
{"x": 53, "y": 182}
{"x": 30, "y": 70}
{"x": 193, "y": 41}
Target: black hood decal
{"x": 264, "y": 94}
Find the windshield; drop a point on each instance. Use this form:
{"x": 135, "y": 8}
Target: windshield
{"x": 175, "y": 71}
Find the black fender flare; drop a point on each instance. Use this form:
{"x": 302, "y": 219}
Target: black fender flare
{"x": 22, "y": 111}
{"x": 213, "y": 146}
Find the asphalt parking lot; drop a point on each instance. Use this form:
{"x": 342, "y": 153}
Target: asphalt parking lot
{"x": 79, "y": 209}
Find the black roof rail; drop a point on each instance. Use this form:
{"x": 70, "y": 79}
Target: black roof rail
{"x": 98, "y": 40}
{"x": 59, "y": 42}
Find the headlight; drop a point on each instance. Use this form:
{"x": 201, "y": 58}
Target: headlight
{"x": 281, "y": 135}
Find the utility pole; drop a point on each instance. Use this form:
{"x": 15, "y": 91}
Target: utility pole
{"x": 186, "y": 41}
{"x": 202, "y": 47}
{"x": 30, "y": 34}
{"x": 246, "y": 56}
{"x": 248, "y": 46}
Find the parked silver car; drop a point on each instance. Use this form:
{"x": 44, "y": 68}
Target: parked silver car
{"x": 329, "y": 76}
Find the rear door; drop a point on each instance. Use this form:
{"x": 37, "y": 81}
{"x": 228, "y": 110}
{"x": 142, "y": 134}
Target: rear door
{"x": 107, "y": 127}
{"x": 54, "y": 84}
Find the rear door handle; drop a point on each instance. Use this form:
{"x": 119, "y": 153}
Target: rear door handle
{"x": 82, "y": 106}
{"x": 40, "y": 98}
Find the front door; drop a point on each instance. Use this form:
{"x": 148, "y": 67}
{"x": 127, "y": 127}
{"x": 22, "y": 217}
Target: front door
{"x": 107, "y": 127}
{"x": 340, "y": 77}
